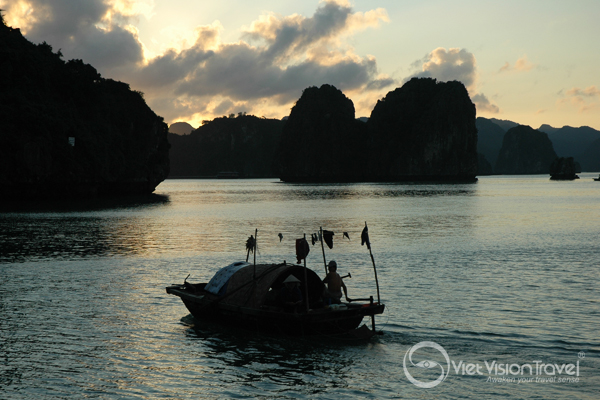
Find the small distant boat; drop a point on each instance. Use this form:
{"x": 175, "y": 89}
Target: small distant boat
{"x": 248, "y": 295}
{"x": 598, "y": 178}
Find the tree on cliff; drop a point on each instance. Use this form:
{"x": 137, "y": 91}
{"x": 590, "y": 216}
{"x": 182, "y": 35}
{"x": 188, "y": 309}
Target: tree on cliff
{"x": 525, "y": 151}
{"x": 120, "y": 144}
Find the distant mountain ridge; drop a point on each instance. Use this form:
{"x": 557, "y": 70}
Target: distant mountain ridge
{"x": 582, "y": 143}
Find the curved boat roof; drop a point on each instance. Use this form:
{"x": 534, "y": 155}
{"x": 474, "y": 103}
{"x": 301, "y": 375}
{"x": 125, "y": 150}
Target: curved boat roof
{"x": 243, "y": 290}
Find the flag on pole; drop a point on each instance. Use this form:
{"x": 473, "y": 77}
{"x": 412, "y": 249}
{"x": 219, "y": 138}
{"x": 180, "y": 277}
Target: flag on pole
{"x": 328, "y": 237}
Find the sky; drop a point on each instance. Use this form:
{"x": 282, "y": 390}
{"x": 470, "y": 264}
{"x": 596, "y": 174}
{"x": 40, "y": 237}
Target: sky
{"x": 533, "y": 62}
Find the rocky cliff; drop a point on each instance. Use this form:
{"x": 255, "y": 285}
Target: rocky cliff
{"x": 321, "y": 140}
{"x": 525, "y": 151}
{"x": 424, "y": 130}
{"x": 245, "y": 146}
{"x": 66, "y": 131}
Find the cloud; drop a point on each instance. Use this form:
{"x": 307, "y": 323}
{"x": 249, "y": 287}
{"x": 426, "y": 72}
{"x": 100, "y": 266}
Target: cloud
{"x": 276, "y": 58}
{"x": 591, "y": 91}
{"x": 521, "y": 65}
{"x": 293, "y": 36}
{"x": 583, "y": 99}
{"x": 96, "y": 31}
{"x": 448, "y": 65}
{"x": 454, "y": 65}
{"x": 484, "y": 105}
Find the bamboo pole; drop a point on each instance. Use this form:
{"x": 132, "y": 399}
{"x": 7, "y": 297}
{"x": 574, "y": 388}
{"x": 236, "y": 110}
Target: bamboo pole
{"x": 373, "y": 260}
{"x": 323, "y": 248}
{"x": 305, "y": 281}
{"x": 255, "y": 238}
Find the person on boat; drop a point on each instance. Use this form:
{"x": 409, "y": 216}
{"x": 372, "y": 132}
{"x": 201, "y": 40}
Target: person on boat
{"x": 335, "y": 284}
{"x": 290, "y": 295}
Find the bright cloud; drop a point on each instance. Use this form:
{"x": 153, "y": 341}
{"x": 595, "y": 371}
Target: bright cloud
{"x": 450, "y": 65}
{"x": 455, "y": 65}
{"x": 484, "y": 105}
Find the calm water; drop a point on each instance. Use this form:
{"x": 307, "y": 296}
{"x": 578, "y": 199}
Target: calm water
{"x": 505, "y": 270}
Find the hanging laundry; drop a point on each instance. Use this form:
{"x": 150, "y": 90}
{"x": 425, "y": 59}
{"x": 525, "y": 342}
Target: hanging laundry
{"x": 250, "y": 244}
{"x": 302, "y": 249}
{"x": 364, "y": 238}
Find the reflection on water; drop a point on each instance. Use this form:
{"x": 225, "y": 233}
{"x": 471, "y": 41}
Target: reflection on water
{"x": 84, "y": 205}
{"x": 206, "y": 216}
{"x": 74, "y": 229}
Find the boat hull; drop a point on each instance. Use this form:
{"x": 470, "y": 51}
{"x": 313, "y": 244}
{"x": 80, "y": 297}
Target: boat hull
{"x": 332, "y": 320}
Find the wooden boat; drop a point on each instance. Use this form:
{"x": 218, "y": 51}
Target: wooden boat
{"x": 246, "y": 295}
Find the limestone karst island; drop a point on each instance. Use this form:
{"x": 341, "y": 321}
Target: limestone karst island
{"x": 66, "y": 131}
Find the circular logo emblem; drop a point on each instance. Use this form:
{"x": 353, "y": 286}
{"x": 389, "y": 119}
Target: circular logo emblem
{"x": 427, "y": 364}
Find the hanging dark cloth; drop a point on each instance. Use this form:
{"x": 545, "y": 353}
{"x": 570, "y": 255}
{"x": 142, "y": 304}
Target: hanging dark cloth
{"x": 364, "y": 238}
{"x": 302, "y": 249}
{"x": 328, "y": 238}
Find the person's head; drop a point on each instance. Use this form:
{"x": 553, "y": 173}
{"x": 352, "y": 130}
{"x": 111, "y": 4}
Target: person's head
{"x": 332, "y": 266}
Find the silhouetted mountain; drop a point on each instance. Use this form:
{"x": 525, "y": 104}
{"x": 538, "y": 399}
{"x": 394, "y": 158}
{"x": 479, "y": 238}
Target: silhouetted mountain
{"x": 504, "y": 123}
{"x": 66, "y": 131}
{"x": 489, "y": 139}
{"x": 547, "y": 129}
{"x": 525, "y": 151}
{"x": 483, "y": 165}
{"x": 591, "y": 157}
{"x": 573, "y": 142}
{"x": 424, "y": 130}
{"x": 245, "y": 145}
{"x": 181, "y": 128}
{"x": 322, "y": 141}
